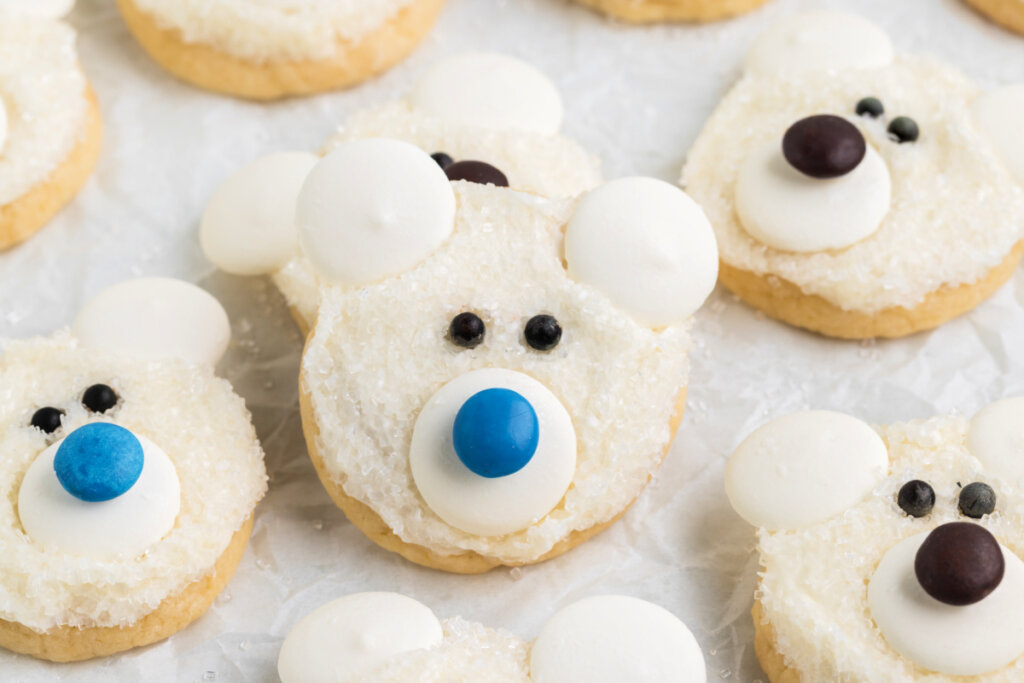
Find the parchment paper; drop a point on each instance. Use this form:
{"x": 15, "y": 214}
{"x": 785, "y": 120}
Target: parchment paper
{"x": 637, "y": 97}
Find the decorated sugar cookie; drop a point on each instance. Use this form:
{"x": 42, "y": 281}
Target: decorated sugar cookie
{"x": 890, "y": 553}
{"x": 857, "y": 193}
{"x": 493, "y": 377}
{"x": 129, "y": 474}
{"x": 1009, "y": 13}
{"x": 643, "y": 11}
{"x": 267, "y": 49}
{"x": 50, "y": 126}
{"x": 388, "y": 637}
{"x": 486, "y": 118}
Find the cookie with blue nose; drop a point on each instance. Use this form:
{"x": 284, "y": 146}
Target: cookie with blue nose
{"x": 855, "y": 192}
{"x": 889, "y": 553}
{"x": 493, "y": 377}
{"x": 131, "y": 473}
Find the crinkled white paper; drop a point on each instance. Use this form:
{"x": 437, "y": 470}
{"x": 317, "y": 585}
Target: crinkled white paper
{"x": 637, "y": 97}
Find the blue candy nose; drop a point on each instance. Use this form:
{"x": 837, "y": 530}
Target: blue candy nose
{"x": 495, "y": 433}
{"x": 98, "y": 462}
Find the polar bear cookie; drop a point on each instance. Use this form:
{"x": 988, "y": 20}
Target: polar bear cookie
{"x": 857, "y": 193}
{"x": 493, "y": 377}
{"x": 129, "y": 474}
{"x": 50, "y": 126}
{"x": 1009, "y": 13}
{"x": 268, "y": 49}
{"x": 470, "y": 108}
{"x": 643, "y": 11}
{"x": 890, "y": 553}
{"x": 387, "y": 637}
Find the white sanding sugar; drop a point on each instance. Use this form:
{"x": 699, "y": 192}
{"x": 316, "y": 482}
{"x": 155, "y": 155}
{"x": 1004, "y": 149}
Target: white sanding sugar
{"x": 956, "y": 212}
{"x": 273, "y": 30}
{"x": 43, "y": 92}
{"x": 470, "y": 653}
{"x": 545, "y": 165}
{"x": 192, "y": 415}
{"x": 814, "y": 581}
{"x": 378, "y": 353}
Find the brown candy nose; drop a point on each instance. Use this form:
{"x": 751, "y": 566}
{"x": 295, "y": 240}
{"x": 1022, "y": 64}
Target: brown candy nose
{"x": 959, "y": 563}
{"x": 476, "y": 172}
{"x": 824, "y": 146}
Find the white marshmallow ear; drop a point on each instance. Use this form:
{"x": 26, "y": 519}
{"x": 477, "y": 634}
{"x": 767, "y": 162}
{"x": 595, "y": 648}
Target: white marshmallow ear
{"x": 611, "y": 638}
{"x": 819, "y": 40}
{"x": 647, "y": 246}
{"x": 350, "y": 637}
{"x": 804, "y": 468}
{"x": 248, "y": 228}
{"x": 372, "y": 209}
{"x": 996, "y": 438}
{"x": 154, "y": 319}
{"x": 999, "y": 113}
{"x": 490, "y": 91}
{"x": 46, "y": 9}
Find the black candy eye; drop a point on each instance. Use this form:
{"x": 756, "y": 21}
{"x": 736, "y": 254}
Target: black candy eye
{"x": 443, "y": 160}
{"x": 47, "y": 419}
{"x": 977, "y": 500}
{"x": 99, "y": 398}
{"x": 870, "y": 106}
{"x": 467, "y": 330}
{"x": 542, "y": 332}
{"x": 476, "y": 172}
{"x": 904, "y": 129}
{"x": 916, "y": 498}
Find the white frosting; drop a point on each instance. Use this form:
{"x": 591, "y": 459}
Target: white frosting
{"x": 955, "y": 212}
{"x": 490, "y": 90}
{"x": 155, "y": 318}
{"x": 348, "y": 638}
{"x": 202, "y": 426}
{"x": 814, "y": 581}
{"x": 820, "y": 40}
{"x": 44, "y": 9}
{"x": 43, "y": 89}
{"x": 960, "y": 641}
{"x": 804, "y": 468}
{"x": 3, "y": 126}
{"x": 274, "y": 30}
{"x": 545, "y": 165}
{"x": 248, "y": 228}
{"x": 614, "y": 638}
{"x": 372, "y": 209}
{"x": 481, "y": 505}
{"x": 785, "y": 209}
{"x": 998, "y": 114}
{"x": 379, "y": 353}
{"x": 470, "y": 653}
{"x": 646, "y": 245}
{"x": 126, "y": 525}
{"x": 996, "y": 438}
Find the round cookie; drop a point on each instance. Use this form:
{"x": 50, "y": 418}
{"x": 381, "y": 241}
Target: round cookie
{"x": 130, "y": 474}
{"x": 50, "y": 127}
{"x": 646, "y": 11}
{"x": 471, "y": 107}
{"x": 263, "y": 50}
{"x": 856, "y": 193}
{"x": 1009, "y": 13}
{"x": 387, "y": 637}
{"x": 563, "y": 309}
{"x": 890, "y": 553}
